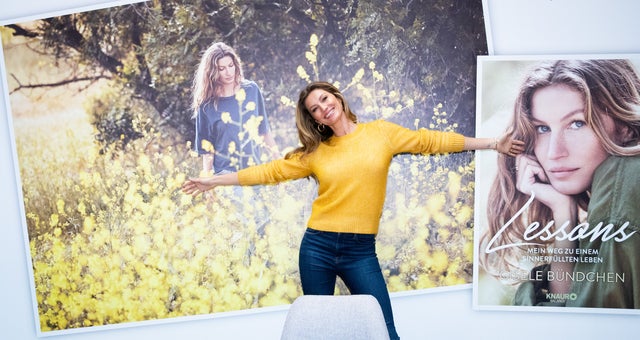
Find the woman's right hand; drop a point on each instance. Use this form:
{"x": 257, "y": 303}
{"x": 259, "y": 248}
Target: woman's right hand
{"x": 530, "y": 177}
{"x": 196, "y": 186}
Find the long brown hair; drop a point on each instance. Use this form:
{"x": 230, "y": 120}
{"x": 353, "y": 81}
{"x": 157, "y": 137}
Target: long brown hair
{"x": 309, "y": 132}
{"x": 608, "y": 87}
{"x": 205, "y": 81}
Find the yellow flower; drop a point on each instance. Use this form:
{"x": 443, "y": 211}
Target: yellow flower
{"x": 232, "y": 147}
{"x": 88, "y": 225}
{"x": 455, "y": 183}
{"x": 167, "y": 161}
{"x": 206, "y": 145}
{"x": 287, "y": 102}
{"x": 378, "y": 76}
{"x": 225, "y": 117}
{"x": 82, "y": 208}
{"x": 60, "y": 206}
{"x": 250, "y": 106}
{"x": 310, "y": 56}
{"x": 439, "y": 261}
{"x": 241, "y": 95}
{"x": 358, "y": 76}
{"x": 302, "y": 73}
{"x": 145, "y": 188}
{"x": 443, "y": 234}
{"x": 53, "y": 220}
{"x": 387, "y": 112}
{"x": 435, "y": 203}
{"x": 313, "y": 40}
{"x": 465, "y": 214}
{"x": 252, "y": 125}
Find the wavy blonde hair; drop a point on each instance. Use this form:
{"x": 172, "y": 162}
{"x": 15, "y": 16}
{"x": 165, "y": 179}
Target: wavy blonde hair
{"x": 309, "y": 132}
{"x": 205, "y": 80}
{"x": 609, "y": 88}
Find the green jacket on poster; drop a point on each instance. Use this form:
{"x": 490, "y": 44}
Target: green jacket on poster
{"x": 608, "y": 275}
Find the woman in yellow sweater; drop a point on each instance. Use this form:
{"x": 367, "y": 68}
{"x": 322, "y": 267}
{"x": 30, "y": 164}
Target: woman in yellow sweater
{"x": 350, "y": 161}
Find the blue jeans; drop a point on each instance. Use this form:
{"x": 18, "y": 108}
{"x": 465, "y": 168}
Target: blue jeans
{"x": 326, "y": 255}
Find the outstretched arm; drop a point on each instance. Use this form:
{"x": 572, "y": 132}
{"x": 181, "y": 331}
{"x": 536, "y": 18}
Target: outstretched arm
{"x": 505, "y": 145}
{"x": 196, "y": 186}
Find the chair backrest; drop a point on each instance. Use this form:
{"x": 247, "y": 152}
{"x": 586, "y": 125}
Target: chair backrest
{"x": 320, "y": 317}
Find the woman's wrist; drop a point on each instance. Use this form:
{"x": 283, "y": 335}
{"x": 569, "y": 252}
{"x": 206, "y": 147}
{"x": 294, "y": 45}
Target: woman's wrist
{"x": 206, "y": 173}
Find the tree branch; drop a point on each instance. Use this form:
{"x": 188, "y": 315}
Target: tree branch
{"x": 54, "y": 84}
{"x": 21, "y": 31}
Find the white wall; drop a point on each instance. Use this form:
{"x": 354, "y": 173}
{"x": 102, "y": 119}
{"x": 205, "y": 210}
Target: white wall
{"x": 515, "y": 27}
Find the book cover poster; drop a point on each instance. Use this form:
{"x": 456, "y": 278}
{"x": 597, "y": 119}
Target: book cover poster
{"x": 102, "y": 122}
{"x": 558, "y": 227}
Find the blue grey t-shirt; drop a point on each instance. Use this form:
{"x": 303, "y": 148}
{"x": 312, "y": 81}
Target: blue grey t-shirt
{"x": 225, "y": 124}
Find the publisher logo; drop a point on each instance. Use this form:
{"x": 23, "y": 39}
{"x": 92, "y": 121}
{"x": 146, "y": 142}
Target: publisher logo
{"x": 561, "y": 298}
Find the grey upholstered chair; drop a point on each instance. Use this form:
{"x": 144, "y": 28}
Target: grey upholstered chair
{"x": 335, "y": 317}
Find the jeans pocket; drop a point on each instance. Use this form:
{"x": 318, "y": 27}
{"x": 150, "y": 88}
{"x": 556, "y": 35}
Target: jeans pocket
{"x": 364, "y": 239}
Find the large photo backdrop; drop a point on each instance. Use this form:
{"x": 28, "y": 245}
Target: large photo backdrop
{"x": 103, "y": 135}
{"x": 557, "y": 228}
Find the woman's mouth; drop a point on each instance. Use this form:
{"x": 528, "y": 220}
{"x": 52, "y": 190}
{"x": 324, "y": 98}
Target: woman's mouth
{"x": 562, "y": 172}
{"x": 329, "y": 114}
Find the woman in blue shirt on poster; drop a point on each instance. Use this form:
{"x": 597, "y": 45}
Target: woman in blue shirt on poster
{"x": 232, "y": 129}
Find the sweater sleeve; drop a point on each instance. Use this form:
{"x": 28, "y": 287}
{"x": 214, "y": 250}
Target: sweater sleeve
{"x": 404, "y": 140}
{"x": 276, "y": 171}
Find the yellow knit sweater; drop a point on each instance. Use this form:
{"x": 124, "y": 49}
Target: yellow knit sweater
{"x": 352, "y": 172}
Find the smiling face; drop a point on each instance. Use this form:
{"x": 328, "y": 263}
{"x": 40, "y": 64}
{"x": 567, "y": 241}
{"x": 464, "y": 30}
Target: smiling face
{"x": 324, "y": 107}
{"x": 566, "y": 147}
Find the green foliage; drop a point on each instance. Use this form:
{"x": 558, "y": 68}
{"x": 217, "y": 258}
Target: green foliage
{"x": 115, "y": 129}
{"x": 426, "y": 49}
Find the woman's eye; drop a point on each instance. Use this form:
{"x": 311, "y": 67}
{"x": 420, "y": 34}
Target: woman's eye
{"x": 576, "y": 124}
{"x": 542, "y": 129}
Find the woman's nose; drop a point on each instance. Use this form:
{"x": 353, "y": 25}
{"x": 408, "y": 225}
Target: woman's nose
{"x": 557, "y": 147}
